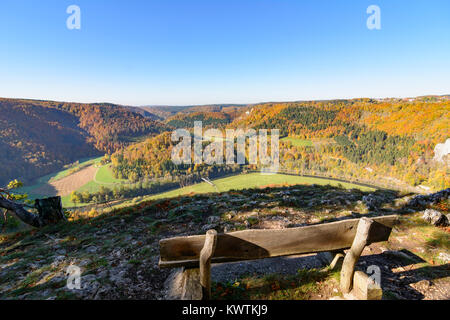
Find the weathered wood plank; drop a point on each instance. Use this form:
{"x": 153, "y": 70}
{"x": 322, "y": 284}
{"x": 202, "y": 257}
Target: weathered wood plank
{"x": 259, "y": 244}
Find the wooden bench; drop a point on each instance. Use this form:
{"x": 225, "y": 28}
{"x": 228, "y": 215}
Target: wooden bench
{"x": 202, "y": 250}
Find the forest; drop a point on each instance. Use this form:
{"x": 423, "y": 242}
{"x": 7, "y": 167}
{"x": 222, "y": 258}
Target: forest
{"x": 390, "y": 140}
{"x": 209, "y": 119}
{"x": 39, "y": 137}
{"x": 351, "y": 139}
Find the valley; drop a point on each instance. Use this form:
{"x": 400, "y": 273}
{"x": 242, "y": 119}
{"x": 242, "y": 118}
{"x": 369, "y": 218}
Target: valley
{"x": 245, "y": 151}
{"x": 339, "y": 159}
{"x": 94, "y": 175}
{"x": 337, "y": 139}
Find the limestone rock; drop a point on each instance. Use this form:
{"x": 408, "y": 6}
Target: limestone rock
{"x": 365, "y": 288}
{"x": 213, "y": 219}
{"x": 435, "y": 218}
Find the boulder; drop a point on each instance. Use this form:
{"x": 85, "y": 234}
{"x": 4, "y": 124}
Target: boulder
{"x": 444, "y": 256}
{"x": 423, "y": 200}
{"x": 371, "y": 201}
{"x": 213, "y": 219}
{"x": 207, "y": 227}
{"x": 435, "y": 218}
{"x": 365, "y": 288}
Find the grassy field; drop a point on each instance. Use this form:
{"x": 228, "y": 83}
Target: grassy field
{"x": 251, "y": 180}
{"x": 91, "y": 187}
{"x": 105, "y": 176}
{"x": 57, "y": 176}
{"x": 305, "y": 285}
{"x": 296, "y": 142}
{"x": 236, "y": 182}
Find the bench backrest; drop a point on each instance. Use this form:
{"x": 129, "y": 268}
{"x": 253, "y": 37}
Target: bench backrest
{"x": 259, "y": 244}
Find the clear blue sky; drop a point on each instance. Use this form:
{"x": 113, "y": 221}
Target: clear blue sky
{"x": 181, "y": 52}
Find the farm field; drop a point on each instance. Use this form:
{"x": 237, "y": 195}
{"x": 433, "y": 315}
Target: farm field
{"x": 87, "y": 175}
{"x": 66, "y": 185}
{"x": 81, "y": 164}
{"x": 34, "y": 189}
{"x": 103, "y": 177}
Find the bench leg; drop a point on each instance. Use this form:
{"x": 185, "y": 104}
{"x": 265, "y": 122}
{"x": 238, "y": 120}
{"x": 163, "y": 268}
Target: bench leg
{"x": 332, "y": 258}
{"x": 190, "y": 288}
{"x": 352, "y": 256}
{"x": 205, "y": 263}
{"x": 183, "y": 284}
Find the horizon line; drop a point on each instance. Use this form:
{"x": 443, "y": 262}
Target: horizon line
{"x": 227, "y": 103}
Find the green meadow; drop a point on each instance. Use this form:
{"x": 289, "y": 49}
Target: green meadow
{"x": 103, "y": 177}
{"x": 251, "y": 180}
{"x": 296, "y": 142}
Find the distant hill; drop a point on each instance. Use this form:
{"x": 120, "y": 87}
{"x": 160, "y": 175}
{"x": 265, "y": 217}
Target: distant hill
{"x": 186, "y": 120}
{"x": 144, "y": 112}
{"x": 38, "y": 137}
{"x": 165, "y": 112}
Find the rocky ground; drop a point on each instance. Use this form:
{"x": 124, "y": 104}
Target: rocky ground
{"x": 117, "y": 251}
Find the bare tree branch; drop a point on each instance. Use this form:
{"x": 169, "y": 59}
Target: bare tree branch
{"x": 24, "y": 215}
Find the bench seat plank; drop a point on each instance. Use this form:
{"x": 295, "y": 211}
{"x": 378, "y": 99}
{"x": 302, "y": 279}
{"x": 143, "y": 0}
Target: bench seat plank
{"x": 259, "y": 244}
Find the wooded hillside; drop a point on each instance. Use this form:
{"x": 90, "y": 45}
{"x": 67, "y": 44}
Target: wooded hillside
{"x": 390, "y": 142}
{"x": 393, "y": 138}
{"x": 38, "y": 137}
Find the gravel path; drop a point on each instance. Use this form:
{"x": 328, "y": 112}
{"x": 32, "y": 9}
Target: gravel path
{"x": 224, "y": 272}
